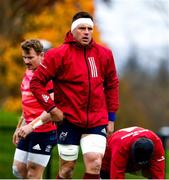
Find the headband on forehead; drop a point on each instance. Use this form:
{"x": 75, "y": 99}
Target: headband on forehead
{"x": 81, "y": 21}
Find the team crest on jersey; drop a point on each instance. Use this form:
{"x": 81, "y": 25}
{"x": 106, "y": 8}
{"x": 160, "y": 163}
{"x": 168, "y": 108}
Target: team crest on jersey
{"x": 45, "y": 97}
{"x": 93, "y": 67}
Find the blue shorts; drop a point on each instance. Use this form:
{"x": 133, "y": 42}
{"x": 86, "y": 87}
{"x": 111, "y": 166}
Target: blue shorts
{"x": 68, "y": 133}
{"x": 38, "y": 142}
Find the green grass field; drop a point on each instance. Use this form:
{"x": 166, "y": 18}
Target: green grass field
{"x": 8, "y": 122}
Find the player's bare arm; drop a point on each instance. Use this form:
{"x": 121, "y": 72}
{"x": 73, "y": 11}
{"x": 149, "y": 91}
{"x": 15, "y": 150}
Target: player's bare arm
{"x": 15, "y": 138}
{"x": 56, "y": 115}
{"x": 110, "y": 128}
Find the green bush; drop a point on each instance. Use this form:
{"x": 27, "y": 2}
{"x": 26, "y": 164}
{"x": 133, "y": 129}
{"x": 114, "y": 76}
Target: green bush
{"x": 8, "y": 119}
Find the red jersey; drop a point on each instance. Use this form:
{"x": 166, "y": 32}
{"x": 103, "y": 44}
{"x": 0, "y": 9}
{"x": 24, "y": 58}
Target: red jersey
{"x": 85, "y": 82}
{"x": 117, "y": 160}
{"x": 30, "y": 107}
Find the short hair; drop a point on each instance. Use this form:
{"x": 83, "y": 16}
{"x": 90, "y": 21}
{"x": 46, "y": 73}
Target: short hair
{"x": 32, "y": 44}
{"x": 81, "y": 14}
{"x": 142, "y": 150}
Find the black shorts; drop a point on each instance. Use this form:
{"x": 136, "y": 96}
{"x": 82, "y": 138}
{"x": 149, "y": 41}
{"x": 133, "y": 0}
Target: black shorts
{"x": 38, "y": 142}
{"x": 68, "y": 133}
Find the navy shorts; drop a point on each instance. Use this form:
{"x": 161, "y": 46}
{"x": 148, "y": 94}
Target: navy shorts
{"x": 68, "y": 133}
{"x": 38, "y": 142}
{"x": 104, "y": 174}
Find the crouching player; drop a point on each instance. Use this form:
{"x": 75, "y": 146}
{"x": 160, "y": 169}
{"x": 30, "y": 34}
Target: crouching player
{"x": 36, "y": 139}
{"x": 133, "y": 150}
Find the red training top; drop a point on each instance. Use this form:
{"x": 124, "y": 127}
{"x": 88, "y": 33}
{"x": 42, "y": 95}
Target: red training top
{"x": 117, "y": 160}
{"x": 30, "y": 107}
{"x": 86, "y": 85}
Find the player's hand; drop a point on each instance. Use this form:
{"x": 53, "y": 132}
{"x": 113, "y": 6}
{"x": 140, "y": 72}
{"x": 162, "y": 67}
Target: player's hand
{"x": 25, "y": 130}
{"x": 57, "y": 115}
{"x": 15, "y": 138}
{"x": 110, "y": 128}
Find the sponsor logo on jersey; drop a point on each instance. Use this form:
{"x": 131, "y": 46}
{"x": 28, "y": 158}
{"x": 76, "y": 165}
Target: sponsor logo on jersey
{"x": 93, "y": 67}
{"x": 45, "y": 97}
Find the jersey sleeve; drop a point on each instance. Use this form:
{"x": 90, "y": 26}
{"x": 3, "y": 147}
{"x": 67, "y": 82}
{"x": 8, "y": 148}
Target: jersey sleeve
{"x": 111, "y": 86}
{"x": 157, "y": 168}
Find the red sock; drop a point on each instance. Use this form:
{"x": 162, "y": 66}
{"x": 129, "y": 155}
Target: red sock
{"x": 58, "y": 177}
{"x": 91, "y": 176}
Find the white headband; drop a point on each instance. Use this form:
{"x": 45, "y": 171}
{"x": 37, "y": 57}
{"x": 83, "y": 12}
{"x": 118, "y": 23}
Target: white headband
{"x": 81, "y": 21}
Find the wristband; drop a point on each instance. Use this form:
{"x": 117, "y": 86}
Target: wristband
{"x": 37, "y": 124}
{"x": 111, "y": 116}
